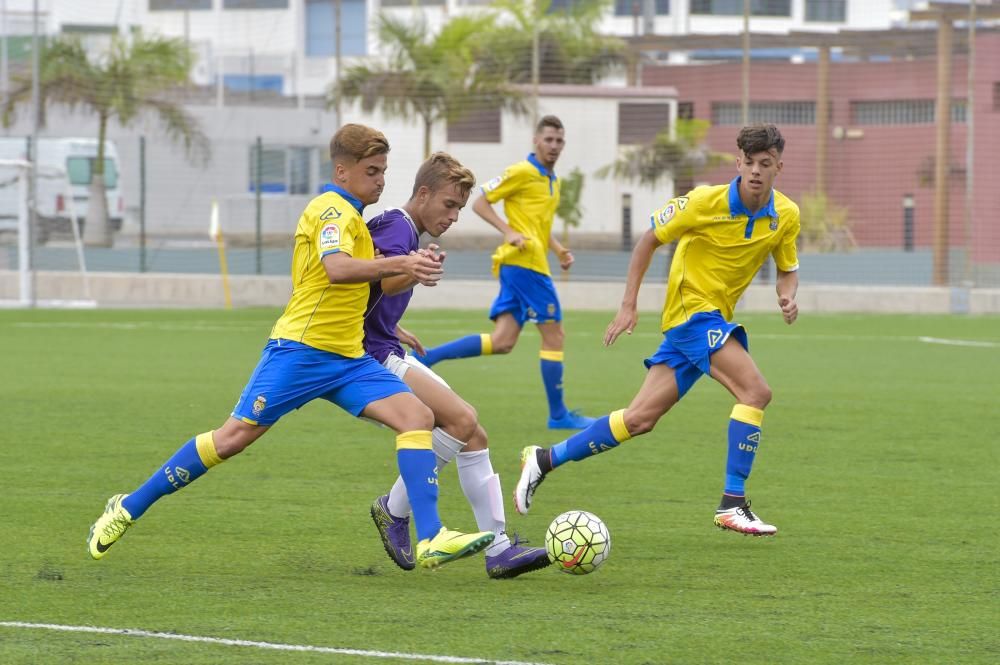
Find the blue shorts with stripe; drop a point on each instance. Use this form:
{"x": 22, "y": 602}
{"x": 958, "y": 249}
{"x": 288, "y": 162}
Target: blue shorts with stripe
{"x": 528, "y": 295}
{"x": 688, "y": 348}
{"x": 291, "y": 374}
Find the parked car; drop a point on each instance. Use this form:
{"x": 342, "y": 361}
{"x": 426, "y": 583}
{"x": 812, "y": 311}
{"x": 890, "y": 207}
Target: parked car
{"x": 65, "y": 169}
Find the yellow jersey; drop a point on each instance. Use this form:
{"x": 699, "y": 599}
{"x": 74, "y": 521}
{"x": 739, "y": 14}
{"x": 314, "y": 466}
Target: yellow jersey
{"x": 530, "y": 194}
{"x": 320, "y": 314}
{"x": 720, "y": 247}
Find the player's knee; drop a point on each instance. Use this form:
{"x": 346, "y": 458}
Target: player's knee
{"x": 234, "y": 437}
{"x": 759, "y": 397}
{"x": 640, "y": 423}
{"x": 463, "y": 426}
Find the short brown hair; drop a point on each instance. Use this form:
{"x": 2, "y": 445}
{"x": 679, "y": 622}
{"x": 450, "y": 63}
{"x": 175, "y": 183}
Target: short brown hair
{"x": 760, "y": 138}
{"x": 548, "y": 121}
{"x": 440, "y": 169}
{"x": 356, "y": 142}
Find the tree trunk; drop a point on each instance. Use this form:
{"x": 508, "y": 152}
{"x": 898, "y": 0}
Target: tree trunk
{"x": 97, "y": 228}
{"x": 428, "y": 124}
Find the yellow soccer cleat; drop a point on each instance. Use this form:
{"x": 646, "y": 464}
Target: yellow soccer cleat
{"x": 450, "y": 545}
{"x": 109, "y": 527}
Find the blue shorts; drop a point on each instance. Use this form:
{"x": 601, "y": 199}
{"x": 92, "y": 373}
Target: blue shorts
{"x": 291, "y": 374}
{"x": 688, "y": 348}
{"x": 528, "y": 295}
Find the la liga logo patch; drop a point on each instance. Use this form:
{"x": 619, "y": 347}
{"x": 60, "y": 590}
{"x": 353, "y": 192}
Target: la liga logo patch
{"x": 329, "y": 237}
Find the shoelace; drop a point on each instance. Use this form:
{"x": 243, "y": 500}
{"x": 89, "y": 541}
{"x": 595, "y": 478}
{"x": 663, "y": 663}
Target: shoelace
{"x": 746, "y": 512}
{"x": 116, "y": 527}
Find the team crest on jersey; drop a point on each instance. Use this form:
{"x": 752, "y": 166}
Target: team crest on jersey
{"x": 330, "y": 213}
{"x": 773, "y": 225}
{"x": 259, "y": 404}
{"x": 329, "y": 237}
{"x": 551, "y": 309}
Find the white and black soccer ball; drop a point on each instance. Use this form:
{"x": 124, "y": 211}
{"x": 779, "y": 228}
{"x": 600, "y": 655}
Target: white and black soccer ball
{"x": 577, "y": 542}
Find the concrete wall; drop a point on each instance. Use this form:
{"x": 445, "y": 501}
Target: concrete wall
{"x": 194, "y": 291}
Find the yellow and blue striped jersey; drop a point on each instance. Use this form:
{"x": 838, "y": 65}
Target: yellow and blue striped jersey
{"x": 720, "y": 247}
{"x": 530, "y": 194}
{"x": 323, "y": 315}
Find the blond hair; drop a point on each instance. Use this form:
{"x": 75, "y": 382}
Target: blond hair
{"x": 356, "y": 142}
{"x": 442, "y": 169}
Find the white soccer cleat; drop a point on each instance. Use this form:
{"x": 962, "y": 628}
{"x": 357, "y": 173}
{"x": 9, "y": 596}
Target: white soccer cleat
{"x": 742, "y": 520}
{"x": 531, "y": 478}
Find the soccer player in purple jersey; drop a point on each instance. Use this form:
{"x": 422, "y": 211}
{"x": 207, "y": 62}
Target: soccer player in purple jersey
{"x": 440, "y": 190}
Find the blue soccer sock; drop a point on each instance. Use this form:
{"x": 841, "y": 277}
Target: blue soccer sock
{"x": 552, "y": 377}
{"x": 744, "y": 436}
{"x": 463, "y": 347}
{"x": 418, "y": 468}
{"x": 606, "y": 433}
{"x": 189, "y": 463}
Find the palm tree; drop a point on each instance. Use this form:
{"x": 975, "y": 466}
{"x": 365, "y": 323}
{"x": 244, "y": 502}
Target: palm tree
{"x": 134, "y": 76}
{"x": 570, "y": 47}
{"x": 434, "y": 77}
{"x": 683, "y": 157}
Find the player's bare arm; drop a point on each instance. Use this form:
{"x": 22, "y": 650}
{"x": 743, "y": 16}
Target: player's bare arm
{"x": 409, "y": 339}
{"x": 628, "y": 315}
{"x": 341, "y": 268}
{"x": 787, "y": 285}
{"x": 483, "y": 208}
{"x": 400, "y": 283}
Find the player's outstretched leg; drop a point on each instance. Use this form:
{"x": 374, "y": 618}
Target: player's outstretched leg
{"x": 469, "y": 346}
{"x": 109, "y": 527}
{"x": 536, "y": 462}
{"x": 395, "y": 533}
{"x": 449, "y": 546}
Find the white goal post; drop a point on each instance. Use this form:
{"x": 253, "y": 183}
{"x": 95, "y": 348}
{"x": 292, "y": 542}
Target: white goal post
{"x": 15, "y": 206}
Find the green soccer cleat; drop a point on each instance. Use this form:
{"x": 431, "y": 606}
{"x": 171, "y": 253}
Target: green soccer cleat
{"x": 109, "y": 527}
{"x": 450, "y": 545}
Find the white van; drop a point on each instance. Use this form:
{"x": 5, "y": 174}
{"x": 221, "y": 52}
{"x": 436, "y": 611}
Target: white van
{"x": 75, "y": 157}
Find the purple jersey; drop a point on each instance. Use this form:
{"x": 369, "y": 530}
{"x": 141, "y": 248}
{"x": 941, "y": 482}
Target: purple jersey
{"x": 394, "y": 234}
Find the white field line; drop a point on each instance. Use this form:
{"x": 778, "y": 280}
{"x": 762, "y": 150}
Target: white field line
{"x": 959, "y": 342}
{"x": 273, "y": 646}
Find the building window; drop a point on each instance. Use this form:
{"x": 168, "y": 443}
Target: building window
{"x": 735, "y": 7}
{"x": 634, "y": 7}
{"x": 778, "y": 113}
{"x": 320, "y": 29}
{"x": 833, "y": 11}
{"x": 283, "y": 169}
{"x": 685, "y": 110}
{"x": 179, "y": 5}
{"x": 255, "y": 4}
{"x": 903, "y": 112}
{"x": 476, "y": 126}
{"x": 640, "y": 123}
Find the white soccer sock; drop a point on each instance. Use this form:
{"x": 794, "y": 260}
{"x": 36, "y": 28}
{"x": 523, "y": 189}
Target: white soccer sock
{"x": 445, "y": 448}
{"x": 482, "y": 488}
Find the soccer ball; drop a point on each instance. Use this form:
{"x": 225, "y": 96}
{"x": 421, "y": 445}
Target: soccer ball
{"x": 577, "y": 542}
